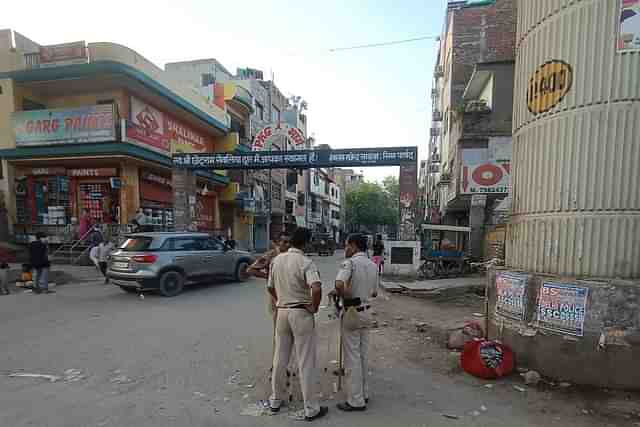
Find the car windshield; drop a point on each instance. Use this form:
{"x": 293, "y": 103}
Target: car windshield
{"x": 136, "y": 244}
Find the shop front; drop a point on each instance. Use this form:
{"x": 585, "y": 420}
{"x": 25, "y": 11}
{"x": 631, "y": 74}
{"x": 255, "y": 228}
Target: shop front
{"x": 51, "y": 200}
{"x": 156, "y": 199}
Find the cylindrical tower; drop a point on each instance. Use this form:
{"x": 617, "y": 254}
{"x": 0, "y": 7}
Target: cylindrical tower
{"x": 576, "y": 186}
{"x": 568, "y": 301}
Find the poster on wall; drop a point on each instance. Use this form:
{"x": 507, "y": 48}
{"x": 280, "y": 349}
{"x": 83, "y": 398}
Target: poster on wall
{"x": 93, "y": 123}
{"x": 408, "y": 190}
{"x": 511, "y": 294}
{"x": 562, "y": 308}
{"x": 629, "y": 33}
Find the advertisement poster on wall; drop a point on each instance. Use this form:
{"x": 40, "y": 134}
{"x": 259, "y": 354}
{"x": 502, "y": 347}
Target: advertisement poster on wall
{"x": 629, "y": 34}
{"x": 93, "y": 123}
{"x": 147, "y": 126}
{"x": 408, "y": 189}
{"x": 562, "y": 308}
{"x": 485, "y": 178}
{"x": 511, "y": 294}
{"x": 183, "y": 139}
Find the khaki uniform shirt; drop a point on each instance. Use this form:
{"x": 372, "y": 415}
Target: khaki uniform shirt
{"x": 363, "y": 274}
{"x": 292, "y": 275}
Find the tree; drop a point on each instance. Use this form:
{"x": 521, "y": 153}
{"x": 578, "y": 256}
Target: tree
{"x": 370, "y": 204}
{"x": 391, "y": 186}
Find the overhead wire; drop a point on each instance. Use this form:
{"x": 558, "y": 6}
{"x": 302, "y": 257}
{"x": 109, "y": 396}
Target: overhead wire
{"x": 390, "y": 43}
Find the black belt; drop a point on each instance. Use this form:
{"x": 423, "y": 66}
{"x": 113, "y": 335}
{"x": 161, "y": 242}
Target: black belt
{"x": 304, "y": 306}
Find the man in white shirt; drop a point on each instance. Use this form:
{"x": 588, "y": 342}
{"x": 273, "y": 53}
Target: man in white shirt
{"x": 294, "y": 282}
{"x": 356, "y": 283}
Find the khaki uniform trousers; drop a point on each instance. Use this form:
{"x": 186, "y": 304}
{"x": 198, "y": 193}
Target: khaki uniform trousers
{"x": 355, "y": 348}
{"x": 296, "y": 327}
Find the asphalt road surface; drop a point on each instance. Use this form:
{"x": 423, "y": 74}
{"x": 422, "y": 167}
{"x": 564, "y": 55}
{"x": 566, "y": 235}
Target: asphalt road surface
{"x": 202, "y": 358}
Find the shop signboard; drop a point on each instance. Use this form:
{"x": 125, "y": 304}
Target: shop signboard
{"x": 147, "y": 126}
{"x": 511, "y": 294}
{"x": 92, "y": 172}
{"x": 485, "y": 178}
{"x": 152, "y": 177}
{"x": 629, "y": 33}
{"x": 161, "y": 132}
{"x": 46, "y": 171}
{"x": 562, "y": 308}
{"x": 183, "y": 139}
{"x": 63, "y": 54}
{"x": 295, "y": 135}
{"x": 92, "y": 123}
{"x": 390, "y": 156}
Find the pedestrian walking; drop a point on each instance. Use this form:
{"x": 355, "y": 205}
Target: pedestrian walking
{"x": 39, "y": 260}
{"x": 378, "y": 253}
{"x": 93, "y": 256}
{"x": 295, "y": 284}
{"x": 4, "y": 278}
{"x": 356, "y": 283}
{"x": 104, "y": 250}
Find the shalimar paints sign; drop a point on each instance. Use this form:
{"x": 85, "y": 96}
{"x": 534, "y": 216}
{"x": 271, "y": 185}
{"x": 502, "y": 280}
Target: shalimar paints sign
{"x": 549, "y": 85}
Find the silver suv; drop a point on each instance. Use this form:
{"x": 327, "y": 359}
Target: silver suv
{"x": 168, "y": 261}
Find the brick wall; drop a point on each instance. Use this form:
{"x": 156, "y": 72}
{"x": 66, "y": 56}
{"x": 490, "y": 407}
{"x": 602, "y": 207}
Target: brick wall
{"x": 481, "y": 34}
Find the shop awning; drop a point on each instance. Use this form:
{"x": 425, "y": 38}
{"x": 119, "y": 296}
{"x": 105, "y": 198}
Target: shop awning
{"x": 100, "y": 150}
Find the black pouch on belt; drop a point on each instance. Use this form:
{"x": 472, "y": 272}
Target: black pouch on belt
{"x": 352, "y": 302}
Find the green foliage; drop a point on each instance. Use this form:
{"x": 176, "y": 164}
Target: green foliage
{"x": 370, "y": 203}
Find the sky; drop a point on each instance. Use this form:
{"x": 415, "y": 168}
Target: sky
{"x": 357, "y": 98}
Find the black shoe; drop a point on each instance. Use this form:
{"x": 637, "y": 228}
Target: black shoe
{"x": 348, "y": 408}
{"x": 274, "y": 410}
{"x": 366, "y": 401}
{"x": 48, "y": 291}
{"x": 37, "y": 291}
{"x": 323, "y": 411}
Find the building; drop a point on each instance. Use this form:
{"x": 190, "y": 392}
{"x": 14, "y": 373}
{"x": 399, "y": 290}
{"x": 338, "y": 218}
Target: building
{"x": 346, "y": 180}
{"x": 93, "y": 126}
{"x": 470, "y": 146}
{"x": 272, "y": 194}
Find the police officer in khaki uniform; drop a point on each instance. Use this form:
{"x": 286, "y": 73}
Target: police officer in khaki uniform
{"x": 294, "y": 282}
{"x": 356, "y": 283}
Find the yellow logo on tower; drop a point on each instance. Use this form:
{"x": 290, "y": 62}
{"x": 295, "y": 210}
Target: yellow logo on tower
{"x": 549, "y": 85}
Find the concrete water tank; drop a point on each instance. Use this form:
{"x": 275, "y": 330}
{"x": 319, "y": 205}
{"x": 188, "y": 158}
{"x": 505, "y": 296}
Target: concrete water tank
{"x": 569, "y": 303}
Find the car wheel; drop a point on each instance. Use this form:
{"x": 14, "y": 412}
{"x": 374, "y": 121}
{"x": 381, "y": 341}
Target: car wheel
{"x": 241, "y": 272}
{"x": 171, "y": 284}
{"x": 129, "y": 289}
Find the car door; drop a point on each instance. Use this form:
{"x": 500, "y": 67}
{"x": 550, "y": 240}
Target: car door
{"x": 216, "y": 258}
{"x": 188, "y": 255}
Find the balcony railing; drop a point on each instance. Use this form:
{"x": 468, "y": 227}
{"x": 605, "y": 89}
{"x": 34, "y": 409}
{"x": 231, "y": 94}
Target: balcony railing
{"x": 437, "y": 116}
{"x": 435, "y": 93}
{"x": 435, "y": 132}
{"x": 32, "y": 60}
{"x": 439, "y": 71}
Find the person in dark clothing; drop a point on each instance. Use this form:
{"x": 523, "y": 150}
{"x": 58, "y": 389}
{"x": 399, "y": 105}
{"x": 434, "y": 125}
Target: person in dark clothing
{"x": 39, "y": 260}
{"x": 378, "y": 253}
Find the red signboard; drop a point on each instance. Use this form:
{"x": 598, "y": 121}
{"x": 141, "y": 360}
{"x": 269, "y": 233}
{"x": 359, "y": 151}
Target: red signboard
{"x": 147, "y": 125}
{"x": 159, "y": 130}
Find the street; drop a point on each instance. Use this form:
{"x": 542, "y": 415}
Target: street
{"x": 202, "y": 359}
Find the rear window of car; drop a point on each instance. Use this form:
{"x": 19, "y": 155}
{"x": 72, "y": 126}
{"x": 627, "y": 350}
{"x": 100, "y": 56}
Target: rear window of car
{"x": 137, "y": 244}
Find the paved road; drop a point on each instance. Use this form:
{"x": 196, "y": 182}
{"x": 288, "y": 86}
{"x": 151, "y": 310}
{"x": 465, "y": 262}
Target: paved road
{"x": 201, "y": 359}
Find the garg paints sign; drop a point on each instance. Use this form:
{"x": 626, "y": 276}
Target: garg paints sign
{"x": 93, "y": 123}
